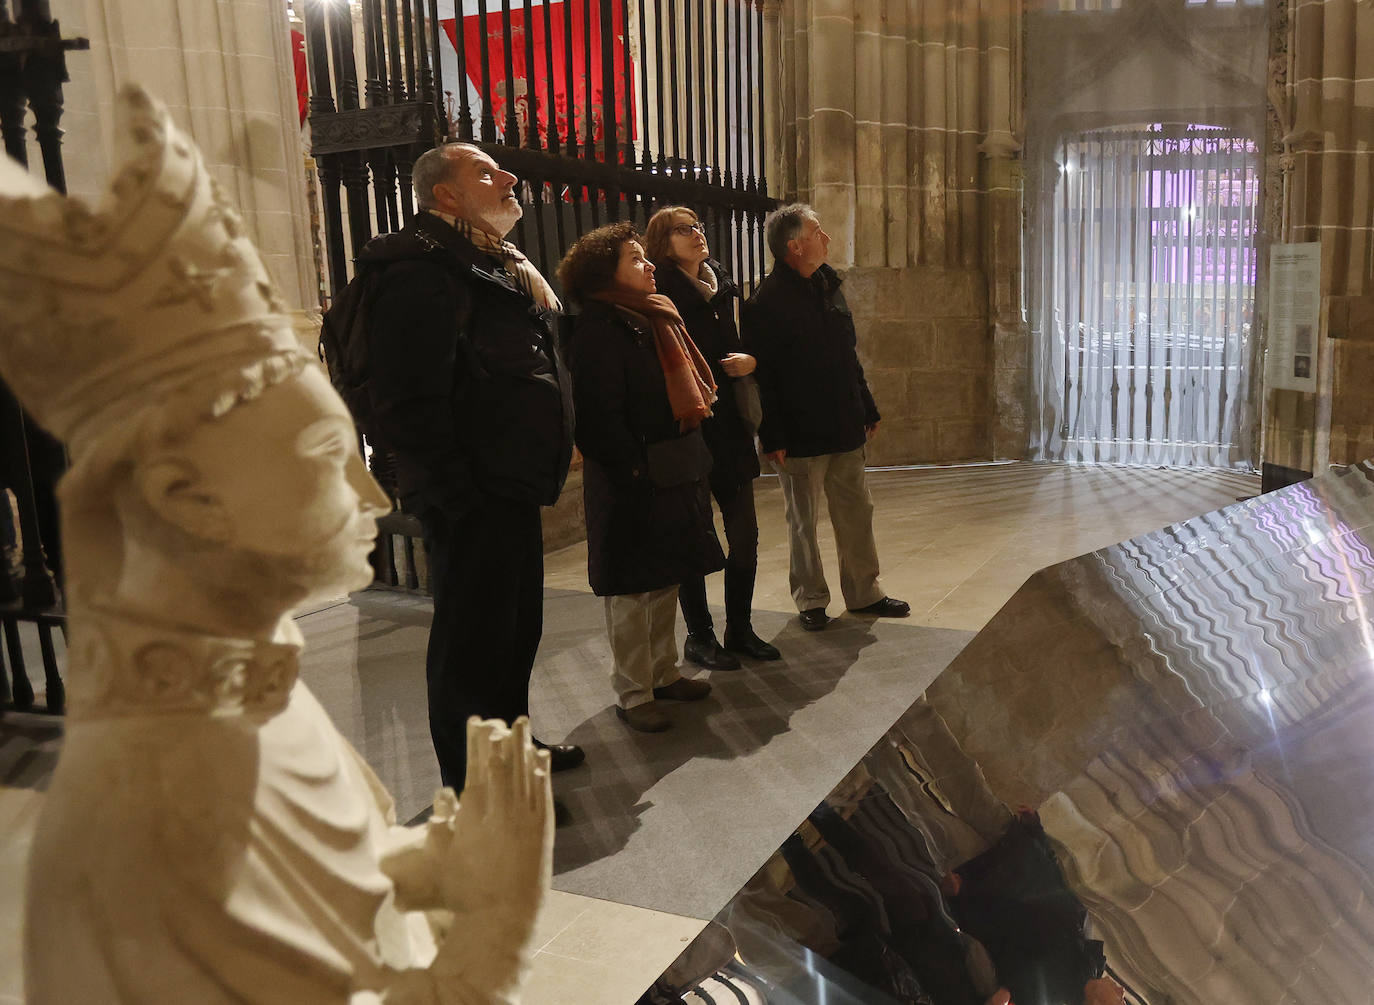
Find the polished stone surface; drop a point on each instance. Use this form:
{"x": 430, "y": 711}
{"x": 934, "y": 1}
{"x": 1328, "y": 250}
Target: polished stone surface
{"x": 1162, "y": 751}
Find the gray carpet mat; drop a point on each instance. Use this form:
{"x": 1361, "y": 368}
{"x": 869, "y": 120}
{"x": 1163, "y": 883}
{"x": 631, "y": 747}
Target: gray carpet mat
{"x": 675, "y": 821}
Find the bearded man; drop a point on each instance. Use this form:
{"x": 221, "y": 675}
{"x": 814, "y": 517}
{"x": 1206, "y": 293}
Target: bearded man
{"x": 470, "y": 395}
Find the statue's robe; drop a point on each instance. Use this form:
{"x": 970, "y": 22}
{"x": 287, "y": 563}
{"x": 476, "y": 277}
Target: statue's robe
{"x": 208, "y": 836}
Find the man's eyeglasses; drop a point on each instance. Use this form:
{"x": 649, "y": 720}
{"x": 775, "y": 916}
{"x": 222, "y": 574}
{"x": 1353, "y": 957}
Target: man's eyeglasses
{"x": 687, "y": 229}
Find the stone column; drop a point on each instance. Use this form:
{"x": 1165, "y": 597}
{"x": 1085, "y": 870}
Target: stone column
{"x": 895, "y": 126}
{"x": 1328, "y": 199}
{"x": 832, "y": 86}
{"x": 775, "y": 97}
{"x": 870, "y": 240}
{"x": 225, "y": 71}
{"x": 1002, "y": 238}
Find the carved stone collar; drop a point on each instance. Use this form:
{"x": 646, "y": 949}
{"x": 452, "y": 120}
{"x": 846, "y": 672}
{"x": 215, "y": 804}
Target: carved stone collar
{"x": 142, "y": 668}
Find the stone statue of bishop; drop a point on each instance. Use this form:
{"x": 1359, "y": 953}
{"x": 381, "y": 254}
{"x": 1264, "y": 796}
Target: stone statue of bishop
{"x": 208, "y": 835}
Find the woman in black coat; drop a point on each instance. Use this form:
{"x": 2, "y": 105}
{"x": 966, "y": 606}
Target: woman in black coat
{"x": 705, "y": 297}
{"x": 641, "y": 390}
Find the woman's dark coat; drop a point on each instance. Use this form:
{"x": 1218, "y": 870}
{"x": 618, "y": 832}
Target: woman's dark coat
{"x": 640, "y": 537}
{"x": 711, "y": 323}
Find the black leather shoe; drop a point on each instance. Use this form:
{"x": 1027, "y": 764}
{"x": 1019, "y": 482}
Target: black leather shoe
{"x": 885, "y": 608}
{"x": 746, "y": 643}
{"x": 703, "y": 650}
{"x": 562, "y": 756}
{"x": 814, "y": 619}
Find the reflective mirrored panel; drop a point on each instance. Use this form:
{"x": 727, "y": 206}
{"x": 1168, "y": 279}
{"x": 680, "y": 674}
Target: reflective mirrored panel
{"x": 1149, "y": 778}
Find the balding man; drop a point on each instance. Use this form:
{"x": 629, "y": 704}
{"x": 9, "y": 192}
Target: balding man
{"x": 470, "y": 395}
{"x": 817, "y": 416}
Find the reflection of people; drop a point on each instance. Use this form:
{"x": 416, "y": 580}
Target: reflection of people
{"x": 675, "y": 241}
{"x": 642, "y": 390}
{"x": 817, "y": 415}
{"x": 208, "y": 836}
{"x": 473, "y": 400}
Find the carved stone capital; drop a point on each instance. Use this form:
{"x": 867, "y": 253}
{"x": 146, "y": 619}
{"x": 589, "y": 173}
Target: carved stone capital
{"x": 1000, "y": 143}
{"x": 366, "y": 128}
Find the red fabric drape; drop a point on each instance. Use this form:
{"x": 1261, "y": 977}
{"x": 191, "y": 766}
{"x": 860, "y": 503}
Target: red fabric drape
{"x": 302, "y": 77}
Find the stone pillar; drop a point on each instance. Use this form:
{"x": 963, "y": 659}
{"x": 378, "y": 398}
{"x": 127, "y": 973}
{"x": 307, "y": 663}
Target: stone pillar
{"x": 1329, "y": 197}
{"x": 775, "y": 97}
{"x": 1002, "y": 178}
{"x": 225, "y": 71}
{"x": 893, "y": 107}
{"x": 884, "y": 106}
{"x": 833, "y": 84}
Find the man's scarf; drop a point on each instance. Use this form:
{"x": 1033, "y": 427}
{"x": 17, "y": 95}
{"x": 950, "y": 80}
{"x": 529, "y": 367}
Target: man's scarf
{"x": 512, "y": 259}
{"x": 691, "y": 388}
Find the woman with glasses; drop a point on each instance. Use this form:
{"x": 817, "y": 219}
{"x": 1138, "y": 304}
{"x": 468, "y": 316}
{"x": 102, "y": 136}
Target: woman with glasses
{"x": 675, "y": 241}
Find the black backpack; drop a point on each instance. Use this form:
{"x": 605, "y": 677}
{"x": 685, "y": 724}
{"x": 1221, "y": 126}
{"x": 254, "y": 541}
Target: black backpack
{"x": 343, "y": 344}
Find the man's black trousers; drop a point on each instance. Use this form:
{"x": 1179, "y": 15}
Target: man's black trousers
{"x": 487, "y": 575}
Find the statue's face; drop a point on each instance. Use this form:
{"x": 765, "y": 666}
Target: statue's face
{"x": 279, "y": 479}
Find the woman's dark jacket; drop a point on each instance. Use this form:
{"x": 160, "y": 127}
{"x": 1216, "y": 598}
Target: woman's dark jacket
{"x": 711, "y": 323}
{"x": 640, "y": 537}
{"x": 815, "y": 398}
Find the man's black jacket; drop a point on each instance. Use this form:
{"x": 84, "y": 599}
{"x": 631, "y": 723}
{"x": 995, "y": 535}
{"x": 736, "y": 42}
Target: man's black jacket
{"x": 468, "y": 389}
{"x": 815, "y": 399}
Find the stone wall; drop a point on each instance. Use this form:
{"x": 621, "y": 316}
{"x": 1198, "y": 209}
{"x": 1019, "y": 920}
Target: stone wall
{"x": 899, "y": 123}
{"x": 224, "y": 70}
{"x": 1351, "y": 329}
{"x": 925, "y": 345}
{"x": 1326, "y": 107}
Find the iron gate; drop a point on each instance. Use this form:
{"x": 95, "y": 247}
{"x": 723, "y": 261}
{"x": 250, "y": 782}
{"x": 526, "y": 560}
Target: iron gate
{"x": 604, "y": 110}
{"x": 32, "y": 71}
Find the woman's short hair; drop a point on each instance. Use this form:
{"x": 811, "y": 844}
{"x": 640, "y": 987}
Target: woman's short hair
{"x": 786, "y": 224}
{"x": 659, "y": 233}
{"x": 590, "y": 264}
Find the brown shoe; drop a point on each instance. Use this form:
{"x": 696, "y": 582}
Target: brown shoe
{"x": 647, "y": 718}
{"x": 684, "y": 689}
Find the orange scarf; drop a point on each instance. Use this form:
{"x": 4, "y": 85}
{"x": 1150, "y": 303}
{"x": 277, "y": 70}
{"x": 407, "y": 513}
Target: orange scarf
{"x": 691, "y": 388}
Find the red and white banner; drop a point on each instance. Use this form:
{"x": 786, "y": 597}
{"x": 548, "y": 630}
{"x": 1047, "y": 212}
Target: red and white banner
{"x": 535, "y": 92}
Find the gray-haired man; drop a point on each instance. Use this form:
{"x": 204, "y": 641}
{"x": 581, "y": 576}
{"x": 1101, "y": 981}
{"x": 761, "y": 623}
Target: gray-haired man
{"x": 817, "y": 416}
{"x": 469, "y": 393}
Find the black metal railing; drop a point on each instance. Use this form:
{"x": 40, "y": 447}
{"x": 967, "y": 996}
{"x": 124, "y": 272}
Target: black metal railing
{"x": 604, "y": 110}
{"x": 32, "y": 71}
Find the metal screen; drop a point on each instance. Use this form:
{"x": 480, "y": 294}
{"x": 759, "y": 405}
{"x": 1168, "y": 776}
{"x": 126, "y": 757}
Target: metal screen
{"x": 604, "y": 110}
{"x": 1147, "y": 298}
{"x": 33, "y": 69}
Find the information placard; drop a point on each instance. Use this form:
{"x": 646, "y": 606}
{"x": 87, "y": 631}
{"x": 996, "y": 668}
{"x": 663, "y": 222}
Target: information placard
{"x": 1294, "y": 316}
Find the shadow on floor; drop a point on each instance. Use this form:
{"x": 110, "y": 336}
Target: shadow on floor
{"x": 746, "y": 710}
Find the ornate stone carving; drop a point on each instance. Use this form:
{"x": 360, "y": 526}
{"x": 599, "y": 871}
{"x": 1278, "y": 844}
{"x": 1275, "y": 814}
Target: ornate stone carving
{"x": 366, "y": 128}
{"x": 208, "y": 835}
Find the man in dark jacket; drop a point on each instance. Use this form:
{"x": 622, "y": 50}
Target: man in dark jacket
{"x": 817, "y": 415}
{"x": 470, "y": 395}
